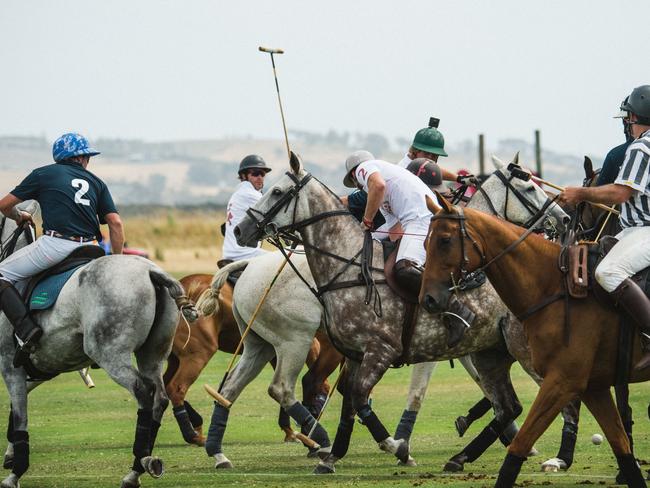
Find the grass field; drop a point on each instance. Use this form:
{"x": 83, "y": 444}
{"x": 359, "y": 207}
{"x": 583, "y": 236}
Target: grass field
{"x": 82, "y": 438}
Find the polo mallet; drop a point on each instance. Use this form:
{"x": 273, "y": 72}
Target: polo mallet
{"x": 85, "y": 376}
{"x": 327, "y": 400}
{"x": 561, "y": 188}
{"x": 216, "y": 394}
{"x": 272, "y": 51}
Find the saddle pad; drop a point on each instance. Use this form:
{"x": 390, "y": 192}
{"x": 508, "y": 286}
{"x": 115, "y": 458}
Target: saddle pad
{"x": 46, "y": 292}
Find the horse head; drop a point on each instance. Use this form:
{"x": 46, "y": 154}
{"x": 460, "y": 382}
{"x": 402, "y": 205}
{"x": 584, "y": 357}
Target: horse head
{"x": 452, "y": 252}
{"x": 278, "y": 209}
{"x": 523, "y": 201}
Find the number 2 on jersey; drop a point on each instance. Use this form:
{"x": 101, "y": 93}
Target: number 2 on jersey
{"x": 83, "y": 189}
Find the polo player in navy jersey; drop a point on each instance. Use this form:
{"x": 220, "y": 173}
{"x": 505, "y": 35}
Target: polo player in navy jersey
{"x": 73, "y": 203}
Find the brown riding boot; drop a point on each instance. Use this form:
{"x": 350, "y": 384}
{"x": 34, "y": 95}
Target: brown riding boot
{"x": 635, "y": 302}
{"x": 409, "y": 276}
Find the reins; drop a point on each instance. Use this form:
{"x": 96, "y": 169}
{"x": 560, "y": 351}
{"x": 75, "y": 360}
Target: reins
{"x": 8, "y": 246}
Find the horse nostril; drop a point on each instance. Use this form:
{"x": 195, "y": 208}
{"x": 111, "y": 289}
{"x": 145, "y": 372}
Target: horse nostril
{"x": 237, "y": 231}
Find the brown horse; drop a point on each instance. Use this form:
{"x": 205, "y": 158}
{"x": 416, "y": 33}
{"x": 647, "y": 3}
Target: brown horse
{"x": 576, "y": 363}
{"x": 217, "y": 332}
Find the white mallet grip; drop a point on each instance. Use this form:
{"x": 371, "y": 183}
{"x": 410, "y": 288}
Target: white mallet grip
{"x": 271, "y": 50}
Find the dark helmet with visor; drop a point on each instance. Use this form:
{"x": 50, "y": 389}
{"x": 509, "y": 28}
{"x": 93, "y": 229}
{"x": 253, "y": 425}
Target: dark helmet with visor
{"x": 253, "y": 161}
{"x": 638, "y": 103}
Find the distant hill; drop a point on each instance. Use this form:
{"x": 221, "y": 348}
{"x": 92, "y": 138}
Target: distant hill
{"x": 194, "y": 172}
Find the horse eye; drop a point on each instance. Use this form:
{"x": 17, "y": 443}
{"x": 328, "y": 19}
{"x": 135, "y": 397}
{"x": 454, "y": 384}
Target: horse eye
{"x": 277, "y": 191}
{"x": 445, "y": 239}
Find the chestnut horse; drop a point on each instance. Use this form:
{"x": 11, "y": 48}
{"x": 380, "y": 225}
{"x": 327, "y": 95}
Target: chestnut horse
{"x": 576, "y": 363}
{"x": 216, "y": 332}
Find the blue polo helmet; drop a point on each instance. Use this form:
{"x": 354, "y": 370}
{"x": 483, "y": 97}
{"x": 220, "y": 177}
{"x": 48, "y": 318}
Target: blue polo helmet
{"x": 70, "y": 145}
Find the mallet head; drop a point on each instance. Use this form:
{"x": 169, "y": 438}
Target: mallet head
{"x": 271, "y": 50}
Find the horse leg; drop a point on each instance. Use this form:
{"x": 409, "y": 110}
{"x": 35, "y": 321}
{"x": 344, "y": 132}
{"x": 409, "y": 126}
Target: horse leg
{"x": 564, "y": 458}
{"x": 493, "y": 368}
{"x": 284, "y": 421}
{"x": 554, "y": 393}
{"x": 346, "y": 421}
{"x": 188, "y": 371}
{"x": 257, "y": 353}
{"x": 314, "y": 382}
{"x": 16, "y": 382}
{"x": 290, "y": 359}
{"x": 601, "y": 404}
{"x": 376, "y": 360}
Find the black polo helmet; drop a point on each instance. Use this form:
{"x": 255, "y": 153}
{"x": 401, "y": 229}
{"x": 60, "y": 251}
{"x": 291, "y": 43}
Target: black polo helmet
{"x": 638, "y": 103}
{"x": 253, "y": 161}
{"x": 428, "y": 171}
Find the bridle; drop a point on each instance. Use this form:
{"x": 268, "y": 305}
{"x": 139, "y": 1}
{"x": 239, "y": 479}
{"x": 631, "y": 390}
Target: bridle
{"x": 535, "y": 213}
{"x": 467, "y": 277}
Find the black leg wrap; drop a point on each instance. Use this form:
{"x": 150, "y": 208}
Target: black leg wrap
{"x": 509, "y": 471}
{"x": 370, "y": 420}
{"x": 627, "y": 425}
{"x": 342, "y": 439}
{"x": 284, "y": 421}
{"x": 477, "y": 411}
{"x": 155, "y": 427}
{"x": 217, "y": 429}
{"x": 568, "y": 444}
{"x": 184, "y": 423}
{"x": 630, "y": 469}
{"x": 21, "y": 452}
{"x": 405, "y": 427}
{"x": 508, "y": 434}
{"x": 142, "y": 438}
{"x": 306, "y": 420}
{"x": 316, "y": 407}
{"x": 481, "y": 442}
{"x": 195, "y": 417}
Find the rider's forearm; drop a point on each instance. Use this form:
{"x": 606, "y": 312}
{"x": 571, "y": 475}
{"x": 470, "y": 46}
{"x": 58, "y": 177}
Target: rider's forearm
{"x": 448, "y": 175}
{"x": 375, "y": 197}
{"x": 607, "y": 194}
{"x": 116, "y": 233}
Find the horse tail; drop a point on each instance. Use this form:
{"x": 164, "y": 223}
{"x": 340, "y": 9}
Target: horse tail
{"x": 175, "y": 289}
{"x": 208, "y": 302}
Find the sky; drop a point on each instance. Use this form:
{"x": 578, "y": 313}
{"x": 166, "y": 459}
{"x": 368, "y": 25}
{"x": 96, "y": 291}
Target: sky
{"x": 165, "y": 70}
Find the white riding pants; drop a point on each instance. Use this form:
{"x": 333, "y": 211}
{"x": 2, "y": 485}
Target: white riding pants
{"x": 412, "y": 245}
{"x": 38, "y": 256}
{"x": 629, "y": 255}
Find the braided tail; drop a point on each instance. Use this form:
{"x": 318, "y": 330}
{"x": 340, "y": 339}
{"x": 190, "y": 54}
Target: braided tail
{"x": 176, "y": 291}
{"x": 208, "y": 302}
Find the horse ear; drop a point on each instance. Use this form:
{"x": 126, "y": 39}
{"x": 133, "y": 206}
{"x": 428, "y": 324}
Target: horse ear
{"x": 515, "y": 160}
{"x": 296, "y": 163}
{"x": 589, "y": 168}
{"x": 433, "y": 207}
{"x": 445, "y": 205}
{"x": 498, "y": 164}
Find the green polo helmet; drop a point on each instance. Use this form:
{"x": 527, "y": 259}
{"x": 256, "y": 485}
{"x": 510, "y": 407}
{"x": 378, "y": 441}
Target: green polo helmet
{"x": 430, "y": 140}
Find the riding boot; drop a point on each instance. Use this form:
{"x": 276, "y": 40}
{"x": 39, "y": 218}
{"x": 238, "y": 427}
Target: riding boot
{"x": 409, "y": 276}
{"x": 635, "y": 302}
{"x": 458, "y": 318}
{"x": 25, "y": 329}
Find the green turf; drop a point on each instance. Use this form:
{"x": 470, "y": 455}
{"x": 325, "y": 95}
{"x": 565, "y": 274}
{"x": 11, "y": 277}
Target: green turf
{"x": 82, "y": 438}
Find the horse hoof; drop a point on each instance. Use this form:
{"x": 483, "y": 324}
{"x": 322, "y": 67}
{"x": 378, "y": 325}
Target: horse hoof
{"x": 620, "y": 479}
{"x": 402, "y": 452}
{"x": 323, "y": 452}
{"x": 461, "y": 425}
{"x": 153, "y": 465}
{"x": 554, "y": 465}
{"x": 131, "y": 480}
{"x": 222, "y": 462}
{"x": 322, "y": 468}
{"x": 8, "y": 462}
{"x": 453, "y": 466}
{"x": 10, "y": 481}
{"x": 199, "y": 440}
{"x": 410, "y": 462}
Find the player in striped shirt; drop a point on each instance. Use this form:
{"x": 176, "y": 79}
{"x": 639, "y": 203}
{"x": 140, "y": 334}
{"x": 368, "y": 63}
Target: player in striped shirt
{"x": 632, "y": 189}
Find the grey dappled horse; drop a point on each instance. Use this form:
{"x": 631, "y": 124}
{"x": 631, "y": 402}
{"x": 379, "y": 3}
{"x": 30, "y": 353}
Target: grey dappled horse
{"x": 109, "y": 309}
{"x": 291, "y": 316}
{"x": 371, "y": 342}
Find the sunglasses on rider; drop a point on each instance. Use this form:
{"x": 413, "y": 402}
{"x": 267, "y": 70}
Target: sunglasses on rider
{"x": 257, "y": 172}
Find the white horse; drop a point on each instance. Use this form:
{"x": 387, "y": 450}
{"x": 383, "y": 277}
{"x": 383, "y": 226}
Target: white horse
{"x": 110, "y": 309}
{"x": 291, "y": 315}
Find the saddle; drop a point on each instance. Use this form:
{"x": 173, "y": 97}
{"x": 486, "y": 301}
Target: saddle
{"x": 43, "y": 289}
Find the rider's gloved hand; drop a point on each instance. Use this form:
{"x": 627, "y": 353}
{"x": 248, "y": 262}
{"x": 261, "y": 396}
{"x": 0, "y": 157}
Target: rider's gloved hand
{"x": 367, "y": 224}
